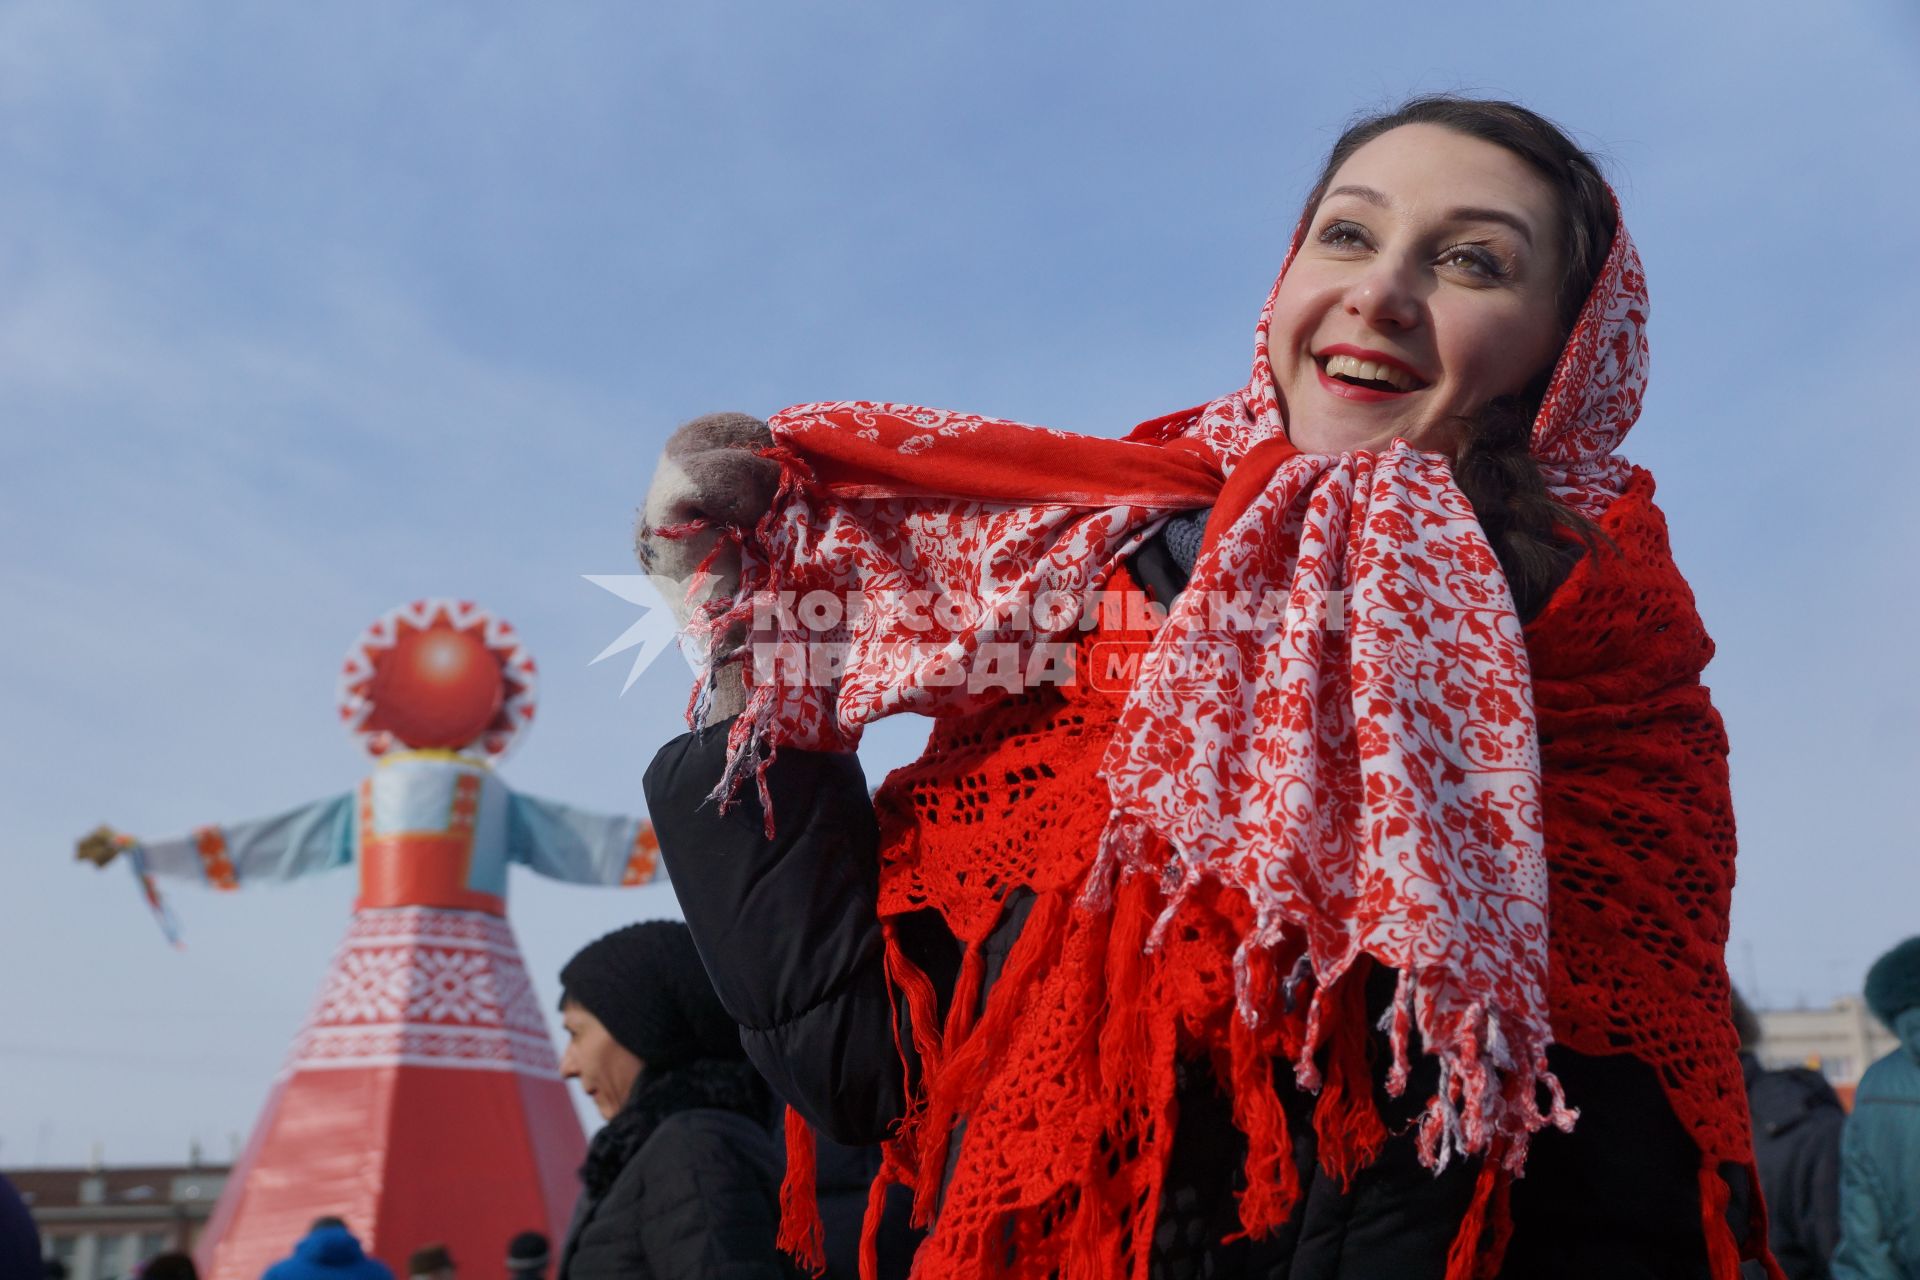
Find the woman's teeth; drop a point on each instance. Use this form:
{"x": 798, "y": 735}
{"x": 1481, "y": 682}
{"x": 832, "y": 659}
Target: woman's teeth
{"x": 1355, "y": 370}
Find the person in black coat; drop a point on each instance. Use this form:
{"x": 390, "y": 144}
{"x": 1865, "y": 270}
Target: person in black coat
{"x": 683, "y": 1180}
{"x": 1797, "y": 1121}
{"x": 19, "y": 1237}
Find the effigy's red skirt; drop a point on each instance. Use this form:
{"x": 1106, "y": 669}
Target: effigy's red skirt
{"x": 421, "y": 1102}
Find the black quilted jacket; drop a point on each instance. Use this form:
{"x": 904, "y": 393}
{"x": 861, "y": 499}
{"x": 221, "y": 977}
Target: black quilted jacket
{"x": 697, "y": 1195}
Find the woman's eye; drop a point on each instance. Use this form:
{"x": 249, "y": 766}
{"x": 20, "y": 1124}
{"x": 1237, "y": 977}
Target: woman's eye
{"x": 1343, "y": 235}
{"x": 1474, "y": 259}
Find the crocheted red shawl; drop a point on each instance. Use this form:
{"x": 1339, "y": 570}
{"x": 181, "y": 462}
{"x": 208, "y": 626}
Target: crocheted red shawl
{"x": 1335, "y": 718}
{"x": 1362, "y": 783}
{"x": 1065, "y": 1080}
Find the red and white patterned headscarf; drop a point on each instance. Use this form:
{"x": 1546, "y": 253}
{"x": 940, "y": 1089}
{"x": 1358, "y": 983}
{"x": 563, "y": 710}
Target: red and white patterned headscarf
{"x": 1363, "y": 763}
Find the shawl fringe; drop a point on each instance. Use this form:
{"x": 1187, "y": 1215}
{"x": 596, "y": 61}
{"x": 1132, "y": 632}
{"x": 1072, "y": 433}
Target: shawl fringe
{"x": 802, "y": 1235}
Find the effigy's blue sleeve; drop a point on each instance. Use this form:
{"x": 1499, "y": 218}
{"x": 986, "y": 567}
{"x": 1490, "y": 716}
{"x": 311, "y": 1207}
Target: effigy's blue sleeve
{"x": 564, "y": 843}
{"x": 313, "y": 838}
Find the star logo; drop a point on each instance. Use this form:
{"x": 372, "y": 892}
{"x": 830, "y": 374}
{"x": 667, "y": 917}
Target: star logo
{"x": 658, "y": 629}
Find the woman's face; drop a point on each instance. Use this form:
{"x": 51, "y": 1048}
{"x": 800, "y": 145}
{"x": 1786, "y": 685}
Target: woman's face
{"x": 605, "y": 1068}
{"x": 1424, "y": 287}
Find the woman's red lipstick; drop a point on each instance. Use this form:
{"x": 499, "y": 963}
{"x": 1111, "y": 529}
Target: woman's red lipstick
{"x": 1347, "y": 391}
{"x": 1365, "y": 395}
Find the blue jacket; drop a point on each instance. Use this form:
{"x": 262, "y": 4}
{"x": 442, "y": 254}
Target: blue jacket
{"x": 328, "y": 1253}
{"x": 1880, "y": 1167}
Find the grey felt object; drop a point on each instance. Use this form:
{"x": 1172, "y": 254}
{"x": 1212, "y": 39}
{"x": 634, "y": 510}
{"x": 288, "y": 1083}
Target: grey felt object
{"x": 711, "y": 470}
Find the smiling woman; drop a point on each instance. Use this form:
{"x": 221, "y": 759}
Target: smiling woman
{"x": 1423, "y": 290}
{"x": 1291, "y": 972}
{"x": 1501, "y": 227}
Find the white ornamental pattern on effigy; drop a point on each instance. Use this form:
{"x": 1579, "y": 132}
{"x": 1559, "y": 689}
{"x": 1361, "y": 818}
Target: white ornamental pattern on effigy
{"x": 426, "y": 987}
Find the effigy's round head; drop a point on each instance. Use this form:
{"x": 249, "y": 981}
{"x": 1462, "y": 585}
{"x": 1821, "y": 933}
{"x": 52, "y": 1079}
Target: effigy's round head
{"x": 438, "y": 688}
{"x": 437, "y": 675}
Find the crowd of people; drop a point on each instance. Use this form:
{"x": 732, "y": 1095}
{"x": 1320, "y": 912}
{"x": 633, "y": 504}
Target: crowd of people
{"x": 684, "y": 1177}
{"x": 1394, "y": 946}
{"x": 328, "y": 1251}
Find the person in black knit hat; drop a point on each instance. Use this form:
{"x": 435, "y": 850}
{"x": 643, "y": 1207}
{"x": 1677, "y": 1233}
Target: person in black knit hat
{"x": 528, "y": 1256}
{"x": 683, "y": 1179}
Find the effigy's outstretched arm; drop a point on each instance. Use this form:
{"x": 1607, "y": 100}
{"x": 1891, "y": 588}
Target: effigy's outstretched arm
{"x": 564, "y": 843}
{"x": 314, "y": 837}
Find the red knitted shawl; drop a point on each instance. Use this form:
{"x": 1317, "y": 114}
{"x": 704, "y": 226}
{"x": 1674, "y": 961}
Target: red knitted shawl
{"x": 1336, "y": 718}
{"x": 1065, "y": 1079}
{"x": 1373, "y": 776}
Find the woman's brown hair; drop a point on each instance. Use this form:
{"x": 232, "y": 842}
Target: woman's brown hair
{"x": 1528, "y": 530}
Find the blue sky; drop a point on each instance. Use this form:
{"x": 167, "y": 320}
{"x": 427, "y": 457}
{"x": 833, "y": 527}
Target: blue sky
{"x": 309, "y": 310}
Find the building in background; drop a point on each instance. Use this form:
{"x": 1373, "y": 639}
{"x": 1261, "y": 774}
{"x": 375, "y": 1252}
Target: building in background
{"x": 1840, "y": 1041}
{"x": 102, "y": 1223}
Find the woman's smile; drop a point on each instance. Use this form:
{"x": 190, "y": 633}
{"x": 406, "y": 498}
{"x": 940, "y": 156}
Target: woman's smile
{"x": 1366, "y": 376}
{"x": 1423, "y": 289}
